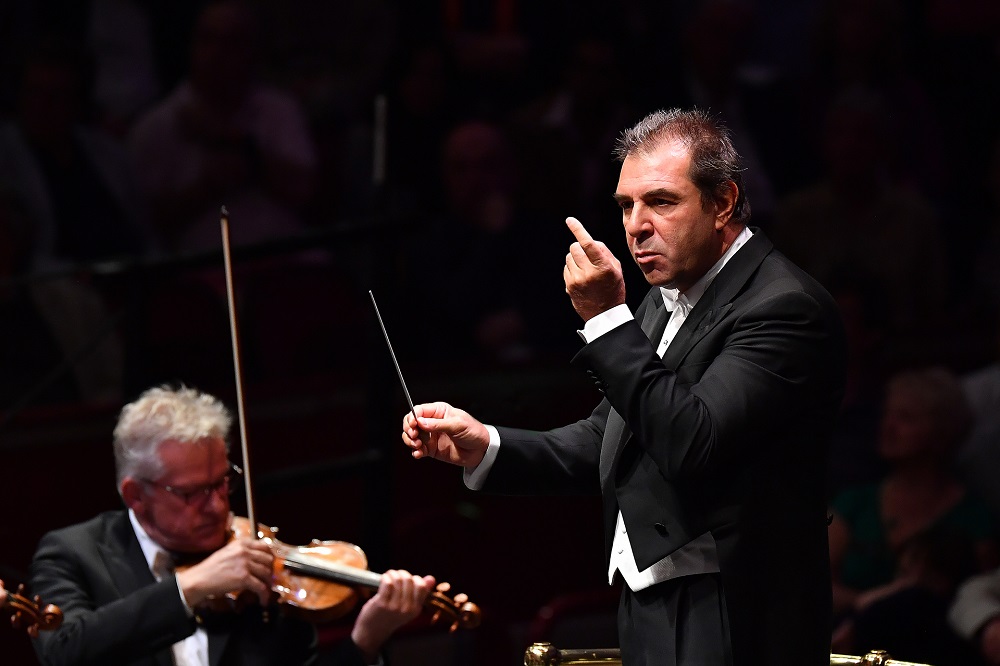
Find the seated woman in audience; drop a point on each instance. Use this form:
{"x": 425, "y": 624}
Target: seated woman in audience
{"x": 925, "y": 419}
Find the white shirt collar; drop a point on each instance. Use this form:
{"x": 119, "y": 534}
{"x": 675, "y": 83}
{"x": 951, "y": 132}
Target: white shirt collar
{"x": 149, "y": 547}
{"x": 673, "y": 299}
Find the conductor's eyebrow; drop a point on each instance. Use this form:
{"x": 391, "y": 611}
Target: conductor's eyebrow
{"x": 658, "y": 193}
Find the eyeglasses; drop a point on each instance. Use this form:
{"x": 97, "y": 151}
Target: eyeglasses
{"x": 200, "y": 494}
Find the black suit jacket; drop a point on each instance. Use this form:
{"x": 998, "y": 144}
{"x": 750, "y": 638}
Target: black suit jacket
{"x": 726, "y": 434}
{"x": 116, "y": 613}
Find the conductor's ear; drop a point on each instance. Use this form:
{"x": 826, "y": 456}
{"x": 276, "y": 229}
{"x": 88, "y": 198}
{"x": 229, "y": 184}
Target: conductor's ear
{"x": 725, "y": 204}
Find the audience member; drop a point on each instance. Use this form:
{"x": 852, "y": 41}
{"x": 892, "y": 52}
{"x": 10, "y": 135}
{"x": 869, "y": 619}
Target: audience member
{"x": 854, "y": 458}
{"x": 975, "y": 615}
{"x": 126, "y": 77}
{"x": 58, "y": 342}
{"x": 859, "y": 217}
{"x": 862, "y": 45}
{"x": 908, "y": 618}
{"x": 332, "y": 56}
{"x": 401, "y": 138}
{"x": 74, "y": 180}
{"x": 985, "y": 271}
{"x": 925, "y": 419}
{"x": 565, "y": 136}
{"x": 223, "y": 137}
{"x": 465, "y": 257}
{"x": 979, "y": 457}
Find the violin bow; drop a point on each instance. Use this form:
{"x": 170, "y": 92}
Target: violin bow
{"x": 237, "y": 367}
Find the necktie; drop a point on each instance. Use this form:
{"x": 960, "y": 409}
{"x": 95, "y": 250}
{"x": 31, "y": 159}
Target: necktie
{"x": 163, "y": 565}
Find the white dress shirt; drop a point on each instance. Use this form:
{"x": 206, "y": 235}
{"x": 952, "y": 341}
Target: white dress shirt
{"x": 193, "y": 650}
{"x": 699, "y": 555}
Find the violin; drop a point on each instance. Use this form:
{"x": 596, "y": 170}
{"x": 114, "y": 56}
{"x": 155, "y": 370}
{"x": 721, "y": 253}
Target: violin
{"x": 320, "y": 581}
{"x": 29, "y": 614}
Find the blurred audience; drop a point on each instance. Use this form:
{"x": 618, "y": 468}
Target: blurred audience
{"x": 385, "y": 165}
{"x": 854, "y": 458}
{"x": 985, "y": 271}
{"x": 332, "y": 56}
{"x": 716, "y": 73}
{"x": 925, "y": 419}
{"x": 861, "y": 45}
{"x": 908, "y": 618}
{"x": 975, "y": 615}
{"x": 487, "y": 258}
{"x": 335, "y": 58}
{"x": 74, "y": 180}
{"x": 222, "y": 137}
{"x": 126, "y": 80}
{"x": 859, "y": 217}
{"x": 979, "y": 457}
{"x": 58, "y": 342}
{"x": 575, "y": 122}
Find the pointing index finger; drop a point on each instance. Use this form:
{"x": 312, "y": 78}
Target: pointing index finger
{"x": 576, "y": 227}
{"x": 583, "y": 237}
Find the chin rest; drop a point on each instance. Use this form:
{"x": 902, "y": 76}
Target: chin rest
{"x": 545, "y": 654}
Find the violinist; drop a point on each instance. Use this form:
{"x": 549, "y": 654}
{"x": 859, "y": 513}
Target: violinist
{"x": 122, "y": 581}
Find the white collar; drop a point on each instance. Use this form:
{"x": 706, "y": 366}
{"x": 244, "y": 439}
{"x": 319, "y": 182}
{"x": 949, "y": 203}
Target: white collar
{"x": 149, "y": 547}
{"x": 672, "y": 298}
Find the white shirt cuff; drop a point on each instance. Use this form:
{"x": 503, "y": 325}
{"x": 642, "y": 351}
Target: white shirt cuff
{"x": 188, "y": 609}
{"x": 475, "y": 478}
{"x": 604, "y": 322}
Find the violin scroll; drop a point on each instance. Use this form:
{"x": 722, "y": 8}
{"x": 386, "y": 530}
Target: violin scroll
{"x": 462, "y": 612}
{"x": 29, "y": 614}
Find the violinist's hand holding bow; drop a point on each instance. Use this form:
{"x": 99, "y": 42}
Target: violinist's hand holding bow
{"x": 400, "y": 599}
{"x": 446, "y": 433}
{"x": 242, "y": 564}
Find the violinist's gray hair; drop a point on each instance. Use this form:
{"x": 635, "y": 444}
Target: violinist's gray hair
{"x": 164, "y": 413}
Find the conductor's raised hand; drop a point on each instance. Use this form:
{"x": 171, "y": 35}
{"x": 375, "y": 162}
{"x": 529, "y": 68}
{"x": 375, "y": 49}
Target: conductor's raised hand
{"x": 592, "y": 273}
{"x": 445, "y": 433}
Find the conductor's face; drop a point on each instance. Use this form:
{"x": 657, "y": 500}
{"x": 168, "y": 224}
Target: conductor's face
{"x": 672, "y": 237}
{"x": 186, "y": 509}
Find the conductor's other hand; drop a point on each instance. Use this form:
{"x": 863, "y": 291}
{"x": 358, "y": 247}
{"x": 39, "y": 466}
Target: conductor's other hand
{"x": 593, "y": 275}
{"x": 446, "y": 433}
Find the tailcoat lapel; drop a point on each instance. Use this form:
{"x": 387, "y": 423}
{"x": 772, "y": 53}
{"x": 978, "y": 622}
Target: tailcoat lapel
{"x": 712, "y": 308}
